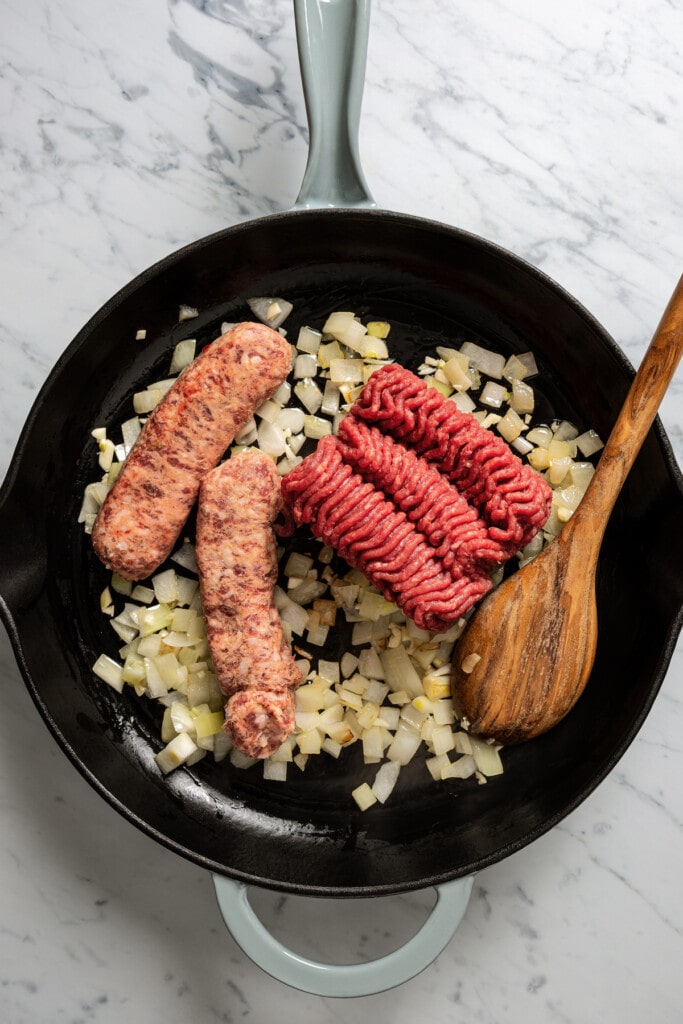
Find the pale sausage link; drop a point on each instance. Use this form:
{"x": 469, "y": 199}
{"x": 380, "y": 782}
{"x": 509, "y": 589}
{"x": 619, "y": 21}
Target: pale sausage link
{"x": 184, "y": 437}
{"x": 239, "y": 502}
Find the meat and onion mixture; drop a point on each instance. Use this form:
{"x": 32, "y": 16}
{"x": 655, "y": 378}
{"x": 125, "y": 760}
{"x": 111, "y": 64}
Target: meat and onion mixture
{"x": 334, "y": 490}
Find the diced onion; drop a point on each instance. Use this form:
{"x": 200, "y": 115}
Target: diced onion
{"x": 269, "y": 310}
{"x": 345, "y": 328}
{"x": 271, "y": 439}
{"x": 305, "y": 365}
{"x": 493, "y": 394}
{"x": 309, "y": 394}
{"x": 183, "y": 354}
{"x": 364, "y": 796}
{"x": 177, "y": 752}
{"x": 110, "y": 672}
{"x": 589, "y": 443}
{"x": 309, "y": 340}
{"x": 489, "y": 363}
{"x": 316, "y": 427}
{"x": 346, "y": 371}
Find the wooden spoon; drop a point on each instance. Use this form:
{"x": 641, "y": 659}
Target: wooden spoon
{"x": 535, "y": 635}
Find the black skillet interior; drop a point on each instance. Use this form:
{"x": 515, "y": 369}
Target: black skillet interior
{"x": 434, "y": 284}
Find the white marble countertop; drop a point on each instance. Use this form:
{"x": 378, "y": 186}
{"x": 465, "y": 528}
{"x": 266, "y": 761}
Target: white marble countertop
{"x": 129, "y": 129}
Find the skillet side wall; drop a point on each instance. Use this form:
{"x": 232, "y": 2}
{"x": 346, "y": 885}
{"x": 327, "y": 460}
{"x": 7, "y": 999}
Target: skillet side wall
{"x": 434, "y": 282}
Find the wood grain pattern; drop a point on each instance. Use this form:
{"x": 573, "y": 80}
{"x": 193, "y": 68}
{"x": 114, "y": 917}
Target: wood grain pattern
{"x": 536, "y": 634}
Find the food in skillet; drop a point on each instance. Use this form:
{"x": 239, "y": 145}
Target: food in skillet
{"x": 239, "y": 503}
{"x": 389, "y": 693}
{"x": 185, "y": 436}
{"x": 425, "y": 503}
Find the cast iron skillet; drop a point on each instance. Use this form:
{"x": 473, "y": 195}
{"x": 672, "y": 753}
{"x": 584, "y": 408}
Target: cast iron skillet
{"x": 434, "y": 283}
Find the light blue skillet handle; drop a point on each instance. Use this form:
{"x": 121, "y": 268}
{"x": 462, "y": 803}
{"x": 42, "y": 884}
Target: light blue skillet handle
{"x": 332, "y": 36}
{"x": 362, "y": 979}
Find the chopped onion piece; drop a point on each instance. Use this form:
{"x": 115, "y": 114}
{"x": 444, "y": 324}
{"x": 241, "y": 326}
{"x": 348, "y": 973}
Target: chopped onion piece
{"x": 538, "y": 458}
{"x": 581, "y": 474}
{"x": 522, "y": 446}
{"x": 274, "y": 771}
{"x": 540, "y": 436}
{"x": 489, "y": 363}
{"x": 295, "y": 616}
{"x": 187, "y": 313}
{"x": 283, "y": 393}
{"x": 346, "y": 371}
{"x": 515, "y": 369}
{"x": 271, "y": 439}
{"x": 589, "y": 443}
{"x": 405, "y": 743}
{"x": 486, "y": 757}
{"x": 399, "y": 671}
{"x": 558, "y": 469}
{"x": 331, "y": 398}
{"x": 298, "y": 564}
{"x": 309, "y": 340}
{"x": 469, "y": 663}
{"x": 463, "y": 768}
{"x": 328, "y": 352}
{"x": 110, "y": 672}
{"x": 463, "y": 401}
{"x": 106, "y": 455}
{"x": 130, "y": 431}
{"x": 269, "y": 411}
{"x": 378, "y": 328}
{"x": 442, "y": 739}
{"x": 364, "y": 796}
{"x": 175, "y": 753}
{"x": 563, "y": 430}
{"x": 309, "y": 394}
{"x": 318, "y": 636}
{"x": 247, "y": 434}
{"x": 510, "y": 426}
{"x": 269, "y": 310}
{"x": 291, "y": 419}
{"x": 165, "y": 586}
{"x": 185, "y": 557}
{"x": 305, "y": 366}
{"x": 493, "y": 394}
{"x": 183, "y": 354}
{"x": 345, "y": 328}
{"x": 145, "y": 401}
{"x": 315, "y": 427}
{"x": 522, "y": 398}
{"x": 528, "y": 360}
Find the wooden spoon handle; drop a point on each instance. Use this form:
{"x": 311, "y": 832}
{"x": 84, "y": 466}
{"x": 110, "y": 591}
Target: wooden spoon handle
{"x": 637, "y": 414}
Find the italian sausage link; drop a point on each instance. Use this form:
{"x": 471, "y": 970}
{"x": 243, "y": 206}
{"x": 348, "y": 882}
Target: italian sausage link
{"x": 184, "y": 437}
{"x": 236, "y": 552}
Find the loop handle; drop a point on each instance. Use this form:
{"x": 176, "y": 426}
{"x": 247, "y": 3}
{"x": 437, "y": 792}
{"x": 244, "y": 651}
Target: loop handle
{"x": 323, "y": 979}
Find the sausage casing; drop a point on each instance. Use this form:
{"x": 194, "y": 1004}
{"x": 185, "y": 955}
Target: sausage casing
{"x": 184, "y": 437}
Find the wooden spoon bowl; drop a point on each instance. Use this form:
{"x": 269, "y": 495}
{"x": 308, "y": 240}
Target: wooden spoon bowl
{"x": 528, "y": 652}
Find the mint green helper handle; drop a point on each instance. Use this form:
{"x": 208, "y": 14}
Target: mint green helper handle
{"x": 321, "y": 979}
{"x": 332, "y": 37}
